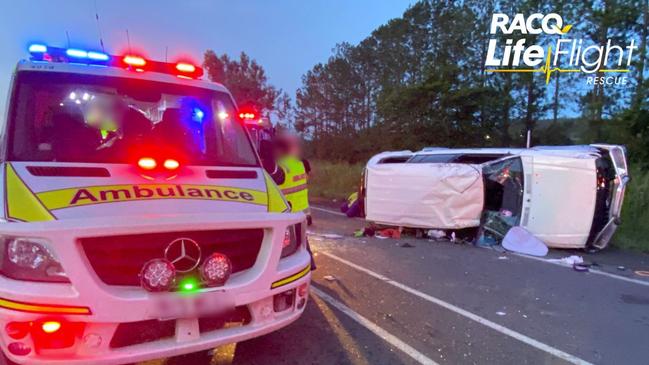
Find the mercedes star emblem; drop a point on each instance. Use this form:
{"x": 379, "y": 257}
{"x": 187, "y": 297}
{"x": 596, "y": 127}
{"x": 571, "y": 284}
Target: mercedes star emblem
{"x": 184, "y": 254}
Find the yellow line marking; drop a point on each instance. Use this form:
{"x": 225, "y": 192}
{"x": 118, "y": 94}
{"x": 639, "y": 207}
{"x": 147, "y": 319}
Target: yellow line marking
{"x": 355, "y": 354}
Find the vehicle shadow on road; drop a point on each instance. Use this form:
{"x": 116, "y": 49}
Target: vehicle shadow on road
{"x": 321, "y": 336}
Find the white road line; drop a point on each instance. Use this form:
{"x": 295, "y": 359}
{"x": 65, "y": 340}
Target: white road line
{"x": 594, "y": 271}
{"x": 329, "y": 211}
{"x": 474, "y": 317}
{"x": 372, "y": 327}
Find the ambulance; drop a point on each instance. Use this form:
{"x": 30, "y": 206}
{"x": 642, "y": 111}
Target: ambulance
{"x": 138, "y": 222}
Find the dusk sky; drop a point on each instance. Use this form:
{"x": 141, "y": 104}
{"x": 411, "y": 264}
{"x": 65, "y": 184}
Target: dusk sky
{"x": 287, "y": 37}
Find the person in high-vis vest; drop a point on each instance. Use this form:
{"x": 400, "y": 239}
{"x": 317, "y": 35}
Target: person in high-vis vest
{"x": 296, "y": 170}
{"x": 290, "y": 174}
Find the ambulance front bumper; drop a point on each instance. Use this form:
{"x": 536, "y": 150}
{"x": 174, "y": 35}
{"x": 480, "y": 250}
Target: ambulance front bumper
{"x": 251, "y": 291}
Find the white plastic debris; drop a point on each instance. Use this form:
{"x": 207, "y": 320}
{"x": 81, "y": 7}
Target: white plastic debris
{"x": 329, "y": 278}
{"x": 436, "y": 233}
{"x": 321, "y": 236}
{"x": 501, "y": 313}
{"x": 331, "y": 235}
{"x": 569, "y": 260}
{"x": 518, "y": 239}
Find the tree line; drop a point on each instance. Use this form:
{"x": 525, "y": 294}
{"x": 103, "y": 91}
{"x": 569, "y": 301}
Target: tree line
{"x": 420, "y": 80}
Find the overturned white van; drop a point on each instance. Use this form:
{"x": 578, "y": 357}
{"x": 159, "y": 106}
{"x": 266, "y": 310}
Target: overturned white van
{"x": 569, "y": 197}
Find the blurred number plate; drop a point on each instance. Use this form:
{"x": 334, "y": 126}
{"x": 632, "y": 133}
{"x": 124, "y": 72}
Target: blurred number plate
{"x": 190, "y": 306}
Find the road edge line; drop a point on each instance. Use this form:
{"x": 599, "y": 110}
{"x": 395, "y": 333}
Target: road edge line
{"x": 472, "y": 316}
{"x": 374, "y": 328}
{"x": 591, "y": 270}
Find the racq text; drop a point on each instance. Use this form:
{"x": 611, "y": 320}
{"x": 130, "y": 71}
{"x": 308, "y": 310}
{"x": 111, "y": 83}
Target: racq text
{"x": 606, "y": 80}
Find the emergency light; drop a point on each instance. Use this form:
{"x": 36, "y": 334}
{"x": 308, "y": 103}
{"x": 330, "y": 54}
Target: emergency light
{"x": 134, "y": 60}
{"x": 44, "y": 53}
{"x": 247, "y": 115}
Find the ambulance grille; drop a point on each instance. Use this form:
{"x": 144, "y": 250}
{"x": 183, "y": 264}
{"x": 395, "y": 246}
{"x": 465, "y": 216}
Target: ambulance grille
{"x": 68, "y": 171}
{"x": 118, "y": 260}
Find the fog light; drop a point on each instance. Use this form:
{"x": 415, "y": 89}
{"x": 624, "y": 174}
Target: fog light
{"x": 17, "y": 330}
{"x": 19, "y": 348}
{"x": 157, "y": 275}
{"x": 216, "y": 269}
{"x": 50, "y": 326}
{"x": 283, "y": 301}
{"x": 266, "y": 311}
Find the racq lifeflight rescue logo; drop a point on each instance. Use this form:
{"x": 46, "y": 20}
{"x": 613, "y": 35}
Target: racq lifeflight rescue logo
{"x": 564, "y": 54}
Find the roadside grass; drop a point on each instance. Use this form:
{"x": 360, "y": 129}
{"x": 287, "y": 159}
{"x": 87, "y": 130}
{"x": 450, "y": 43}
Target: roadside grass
{"x": 634, "y": 232}
{"x": 336, "y": 180}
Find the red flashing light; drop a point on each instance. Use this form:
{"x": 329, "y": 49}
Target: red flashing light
{"x": 185, "y": 67}
{"x": 171, "y": 164}
{"x": 287, "y": 239}
{"x": 51, "y": 326}
{"x": 302, "y": 290}
{"x": 247, "y": 115}
{"x": 147, "y": 163}
{"x": 134, "y": 61}
{"x": 55, "y": 334}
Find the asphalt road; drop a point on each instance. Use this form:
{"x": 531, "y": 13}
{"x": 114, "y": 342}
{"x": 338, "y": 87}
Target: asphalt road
{"x": 429, "y": 302}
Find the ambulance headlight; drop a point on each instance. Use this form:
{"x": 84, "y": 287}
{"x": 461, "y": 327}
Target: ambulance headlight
{"x": 30, "y": 259}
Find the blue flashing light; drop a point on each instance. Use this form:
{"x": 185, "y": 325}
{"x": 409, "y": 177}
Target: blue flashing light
{"x": 98, "y": 56}
{"x": 76, "y": 53}
{"x": 37, "y": 48}
{"x": 198, "y": 115}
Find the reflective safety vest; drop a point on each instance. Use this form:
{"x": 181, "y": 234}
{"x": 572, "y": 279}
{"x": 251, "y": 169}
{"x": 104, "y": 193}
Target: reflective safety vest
{"x": 295, "y": 186}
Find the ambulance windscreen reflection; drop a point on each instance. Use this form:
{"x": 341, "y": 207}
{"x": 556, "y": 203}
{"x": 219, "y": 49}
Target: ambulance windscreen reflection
{"x": 99, "y": 120}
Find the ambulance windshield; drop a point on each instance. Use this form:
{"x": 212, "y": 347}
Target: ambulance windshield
{"x": 87, "y": 118}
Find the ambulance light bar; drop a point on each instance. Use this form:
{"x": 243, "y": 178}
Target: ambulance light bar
{"x": 45, "y": 53}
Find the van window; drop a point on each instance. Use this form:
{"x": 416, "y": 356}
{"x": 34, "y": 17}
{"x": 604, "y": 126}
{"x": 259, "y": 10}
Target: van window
{"x": 433, "y": 158}
{"x": 394, "y": 159}
{"x": 477, "y": 158}
{"x": 86, "y": 118}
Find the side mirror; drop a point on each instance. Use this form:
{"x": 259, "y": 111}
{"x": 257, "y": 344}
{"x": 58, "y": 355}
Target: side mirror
{"x": 266, "y": 150}
{"x": 267, "y": 156}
